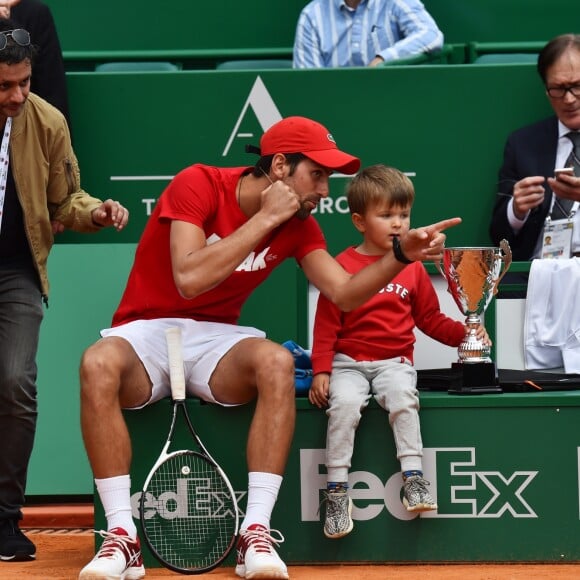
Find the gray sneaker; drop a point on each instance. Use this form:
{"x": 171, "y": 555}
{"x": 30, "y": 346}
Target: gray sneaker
{"x": 338, "y": 522}
{"x": 416, "y": 498}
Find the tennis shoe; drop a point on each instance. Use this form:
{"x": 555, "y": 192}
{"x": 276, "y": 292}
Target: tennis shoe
{"x": 119, "y": 558}
{"x": 257, "y": 557}
{"x": 14, "y": 545}
{"x": 338, "y": 522}
{"x": 416, "y": 498}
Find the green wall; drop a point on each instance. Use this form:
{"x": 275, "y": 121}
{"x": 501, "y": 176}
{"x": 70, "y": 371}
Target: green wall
{"x": 86, "y": 283}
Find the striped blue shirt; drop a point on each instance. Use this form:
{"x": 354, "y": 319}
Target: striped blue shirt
{"x": 331, "y": 34}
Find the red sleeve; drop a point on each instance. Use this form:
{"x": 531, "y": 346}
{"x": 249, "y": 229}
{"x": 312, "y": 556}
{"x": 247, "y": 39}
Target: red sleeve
{"x": 428, "y": 316}
{"x": 310, "y": 236}
{"x": 327, "y": 323}
{"x": 189, "y": 197}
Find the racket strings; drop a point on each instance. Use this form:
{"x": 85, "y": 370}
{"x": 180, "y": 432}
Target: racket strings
{"x": 189, "y": 513}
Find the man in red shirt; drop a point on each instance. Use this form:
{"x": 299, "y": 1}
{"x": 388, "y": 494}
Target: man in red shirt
{"x": 216, "y": 234}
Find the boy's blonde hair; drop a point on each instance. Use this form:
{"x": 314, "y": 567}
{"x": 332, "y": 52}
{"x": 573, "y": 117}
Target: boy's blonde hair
{"x": 379, "y": 184}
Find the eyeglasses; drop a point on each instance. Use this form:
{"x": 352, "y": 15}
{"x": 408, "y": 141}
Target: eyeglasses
{"x": 560, "y": 92}
{"x": 19, "y": 35}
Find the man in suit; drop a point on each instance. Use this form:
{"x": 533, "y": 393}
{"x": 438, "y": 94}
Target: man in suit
{"x": 528, "y": 191}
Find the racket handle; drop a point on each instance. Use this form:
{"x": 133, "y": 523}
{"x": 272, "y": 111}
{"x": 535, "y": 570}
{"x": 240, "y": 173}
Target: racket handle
{"x": 175, "y": 359}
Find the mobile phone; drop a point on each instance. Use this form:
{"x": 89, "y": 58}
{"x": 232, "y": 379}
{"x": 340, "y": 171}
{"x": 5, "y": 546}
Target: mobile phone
{"x": 563, "y": 171}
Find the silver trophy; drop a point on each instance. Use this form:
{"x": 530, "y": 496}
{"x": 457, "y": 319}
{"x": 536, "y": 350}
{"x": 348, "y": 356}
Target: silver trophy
{"x": 473, "y": 276}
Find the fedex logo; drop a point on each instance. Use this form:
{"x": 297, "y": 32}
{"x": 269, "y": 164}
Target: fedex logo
{"x": 461, "y": 490}
{"x": 191, "y": 498}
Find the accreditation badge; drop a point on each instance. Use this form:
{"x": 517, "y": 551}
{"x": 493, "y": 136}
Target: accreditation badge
{"x": 557, "y": 239}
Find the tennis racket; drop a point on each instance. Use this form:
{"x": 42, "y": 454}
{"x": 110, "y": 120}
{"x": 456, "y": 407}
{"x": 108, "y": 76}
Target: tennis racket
{"x": 188, "y": 509}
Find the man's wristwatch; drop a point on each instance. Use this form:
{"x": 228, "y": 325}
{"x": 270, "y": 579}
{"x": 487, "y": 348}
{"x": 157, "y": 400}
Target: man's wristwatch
{"x": 399, "y": 252}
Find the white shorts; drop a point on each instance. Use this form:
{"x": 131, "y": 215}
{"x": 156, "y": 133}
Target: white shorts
{"x": 204, "y": 344}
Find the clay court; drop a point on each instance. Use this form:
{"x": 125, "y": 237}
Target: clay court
{"x": 65, "y": 543}
{"x": 62, "y": 553}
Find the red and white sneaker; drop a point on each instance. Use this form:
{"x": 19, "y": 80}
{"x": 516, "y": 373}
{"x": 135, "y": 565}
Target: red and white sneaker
{"x": 119, "y": 558}
{"x": 257, "y": 557}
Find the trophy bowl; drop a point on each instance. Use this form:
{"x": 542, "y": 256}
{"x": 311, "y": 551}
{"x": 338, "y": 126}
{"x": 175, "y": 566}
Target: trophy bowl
{"x": 473, "y": 275}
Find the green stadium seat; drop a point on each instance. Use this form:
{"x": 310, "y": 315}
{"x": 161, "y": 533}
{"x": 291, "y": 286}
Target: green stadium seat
{"x": 266, "y": 63}
{"x": 137, "y": 66}
{"x": 503, "y": 52}
{"x": 506, "y": 58}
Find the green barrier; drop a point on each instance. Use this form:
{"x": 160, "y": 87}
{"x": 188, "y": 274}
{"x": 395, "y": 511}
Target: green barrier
{"x": 496, "y": 476}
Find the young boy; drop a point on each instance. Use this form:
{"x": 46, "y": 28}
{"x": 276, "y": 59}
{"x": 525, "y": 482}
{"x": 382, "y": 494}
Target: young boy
{"x": 370, "y": 349}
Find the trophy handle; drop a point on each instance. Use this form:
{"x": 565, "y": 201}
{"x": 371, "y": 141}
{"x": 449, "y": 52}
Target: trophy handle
{"x": 507, "y": 260}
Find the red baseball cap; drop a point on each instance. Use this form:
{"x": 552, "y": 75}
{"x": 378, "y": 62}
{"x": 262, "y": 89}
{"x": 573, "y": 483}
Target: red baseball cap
{"x": 302, "y": 135}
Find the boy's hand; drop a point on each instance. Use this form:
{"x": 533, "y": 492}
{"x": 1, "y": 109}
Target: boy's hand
{"x": 318, "y": 393}
{"x": 426, "y": 243}
{"x": 481, "y": 334}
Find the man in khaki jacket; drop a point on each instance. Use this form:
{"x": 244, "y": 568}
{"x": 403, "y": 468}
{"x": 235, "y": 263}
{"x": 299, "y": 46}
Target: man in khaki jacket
{"x": 40, "y": 195}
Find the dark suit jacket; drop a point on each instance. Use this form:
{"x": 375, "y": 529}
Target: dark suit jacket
{"x": 48, "y": 72}
{"x": 529, "y": 151}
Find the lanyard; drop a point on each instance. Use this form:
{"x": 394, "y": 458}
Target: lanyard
{"x": 4, "y": 159}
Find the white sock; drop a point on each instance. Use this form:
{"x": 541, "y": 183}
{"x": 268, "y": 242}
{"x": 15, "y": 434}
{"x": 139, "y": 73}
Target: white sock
{"x": 263, "y": 491}
{"x": 115, "y": 494}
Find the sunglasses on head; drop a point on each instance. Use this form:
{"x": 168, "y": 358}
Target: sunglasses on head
{"x": 19, "y": 35}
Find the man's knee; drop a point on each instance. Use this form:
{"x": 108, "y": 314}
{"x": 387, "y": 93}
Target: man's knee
{"x": 100, "y": 364}
{"x": 276, "y": 369}
{"x": 91, "y": 363}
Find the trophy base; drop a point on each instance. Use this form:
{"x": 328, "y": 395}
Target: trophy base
{"x": 475, "y": 379}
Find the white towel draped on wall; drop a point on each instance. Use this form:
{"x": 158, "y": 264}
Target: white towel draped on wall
{"x": 552, "y": 318}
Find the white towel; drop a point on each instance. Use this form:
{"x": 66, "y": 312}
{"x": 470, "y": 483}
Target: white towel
{"x": 552, "y": 319}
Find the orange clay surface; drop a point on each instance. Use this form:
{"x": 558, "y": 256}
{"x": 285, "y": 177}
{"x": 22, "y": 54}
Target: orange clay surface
{"x": 63, "y": 549}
